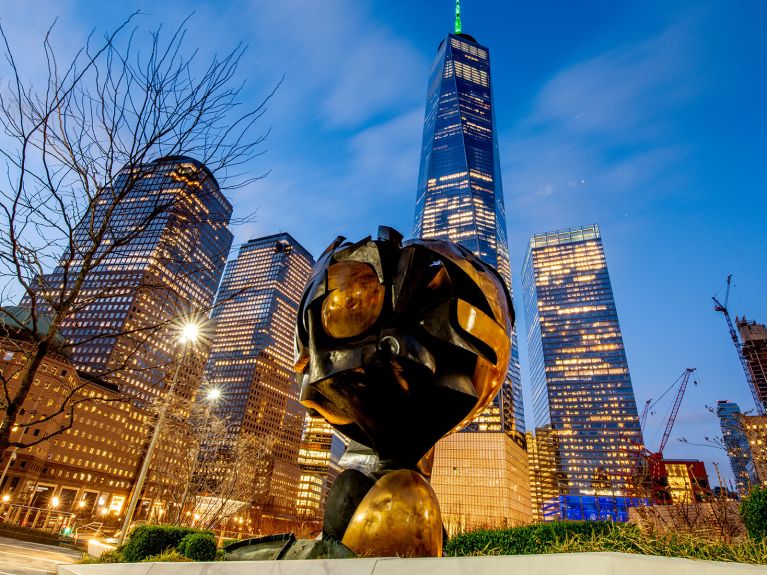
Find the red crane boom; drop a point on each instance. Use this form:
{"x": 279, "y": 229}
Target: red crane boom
{"x": 675, "y": 410}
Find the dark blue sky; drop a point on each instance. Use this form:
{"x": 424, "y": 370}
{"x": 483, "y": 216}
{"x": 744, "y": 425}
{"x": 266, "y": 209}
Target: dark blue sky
{"x": 645, "y": 117}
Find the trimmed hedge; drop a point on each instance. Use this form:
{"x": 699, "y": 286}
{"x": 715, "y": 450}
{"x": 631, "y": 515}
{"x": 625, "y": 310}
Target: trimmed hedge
{"x": 525, "y": 540}
{"x": 148, "y": 540}
{"x": 199, "y": 546}
{"x": 753, "y": 511}
{"x": 590, "y": 537}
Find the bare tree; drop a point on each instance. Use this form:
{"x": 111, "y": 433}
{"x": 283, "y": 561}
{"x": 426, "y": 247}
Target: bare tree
{"x": 80, "y": 148}
{"x": 229, "y": 483}
{"x": 202, "y": 473}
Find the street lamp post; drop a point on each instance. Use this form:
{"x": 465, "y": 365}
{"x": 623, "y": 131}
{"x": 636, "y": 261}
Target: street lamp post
{"x": 211, "y": 397}
{"x": 189, "y": 335}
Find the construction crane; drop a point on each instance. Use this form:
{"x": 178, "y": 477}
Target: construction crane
{"x": 643, "y": 417}
{"x": 649, "y": 404}
{"x": 675, "y": 409}
{"x": 738, "y": 346}
{"x": 653, "y": 461}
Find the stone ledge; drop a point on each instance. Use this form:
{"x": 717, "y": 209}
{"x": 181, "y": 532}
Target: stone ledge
{"x": 556, "y": 564}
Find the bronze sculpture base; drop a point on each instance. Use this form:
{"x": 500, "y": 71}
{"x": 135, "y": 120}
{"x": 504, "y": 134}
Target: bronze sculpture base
{"x": 399, "y": 516}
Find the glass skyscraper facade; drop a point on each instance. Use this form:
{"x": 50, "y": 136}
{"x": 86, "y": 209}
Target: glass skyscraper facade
{"x": 321, "y": 450}
{"x": 737, "y": 445}
{"x": 460, "y": 196}
{"x": 162, "y": 258}
{"x": 251, "y": 358}
{"x": 580, "y": 377}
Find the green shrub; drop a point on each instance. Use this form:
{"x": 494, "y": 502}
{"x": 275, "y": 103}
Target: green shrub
{"x": 225, "y": 542}
{"x": 167, "y": 556}
{"x": 148, "y": 540}
{"x": 753, "y": 511}
{"x": 524, "y": 540}
{"x": 106, "y": 557}
{"x": 586, "y": 537}
{"x": 199, "y": 546}
{"x": 625, "y": 539}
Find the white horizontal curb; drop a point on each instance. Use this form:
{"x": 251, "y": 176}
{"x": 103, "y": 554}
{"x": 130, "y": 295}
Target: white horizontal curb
{"x": 556, "y": 564}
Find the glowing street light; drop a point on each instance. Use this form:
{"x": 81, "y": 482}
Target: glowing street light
{"x": 55, "y": 502}
{"x": 213, "y": 393}
{"x": 189, "y": 332}
{"x": 6, "y": 498}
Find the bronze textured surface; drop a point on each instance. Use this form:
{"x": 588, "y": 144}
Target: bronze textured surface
{"x": 399, "y": 517}
{"x": 354, "y": 301}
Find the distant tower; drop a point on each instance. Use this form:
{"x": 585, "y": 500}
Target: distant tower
{"x": 580, "y": 376}
{"x": 169, "y": 269}
{"x": 319, "y": 456}
{"x": 251, "y": 358}
{"x": 460, "y": 196}
{"x": 738, "y": 448}
{"x": 754, "y": 338}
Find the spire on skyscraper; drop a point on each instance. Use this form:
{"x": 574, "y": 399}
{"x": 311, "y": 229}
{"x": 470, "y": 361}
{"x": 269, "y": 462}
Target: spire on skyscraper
{"x": 457, "y": 16}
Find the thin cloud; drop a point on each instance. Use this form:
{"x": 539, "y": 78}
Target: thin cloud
{"x": 601, "y": 126}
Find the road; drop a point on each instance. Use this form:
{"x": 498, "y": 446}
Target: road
{"x": 23, "y": 558}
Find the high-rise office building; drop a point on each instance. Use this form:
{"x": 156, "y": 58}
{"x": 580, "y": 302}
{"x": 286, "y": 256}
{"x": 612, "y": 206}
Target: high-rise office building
{"x": 460, "y": 199}
{"x": 460, "y": 196}
{"x": 580, "y": 376}
{"x": 251, "y": 358}
{"x": 162, "y": 257}
{"x": 319, "y": 456}
{"x": 737, "y": 444}
{"x": 542, "y": 462}
{"x": 754, "y": 338}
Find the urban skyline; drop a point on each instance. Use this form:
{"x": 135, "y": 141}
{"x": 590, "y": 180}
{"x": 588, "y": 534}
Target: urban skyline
{"x": 636, "y": 301}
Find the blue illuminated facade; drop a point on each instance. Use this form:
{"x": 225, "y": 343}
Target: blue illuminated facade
{"x": 591, "y": 508}
{"x": 460, "y": 196}
{"x": 580, "y": 376}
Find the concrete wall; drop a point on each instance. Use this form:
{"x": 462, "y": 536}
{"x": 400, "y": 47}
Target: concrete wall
{"x": 570, "y": 564}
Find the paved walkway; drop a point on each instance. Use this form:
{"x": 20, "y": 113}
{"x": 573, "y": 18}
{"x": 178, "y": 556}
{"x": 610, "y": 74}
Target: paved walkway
{"x": 23, "y": 558}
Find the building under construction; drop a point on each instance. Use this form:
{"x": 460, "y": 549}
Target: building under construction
{"x": 754, "y": 345}
{"x": 755, "y": 430}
